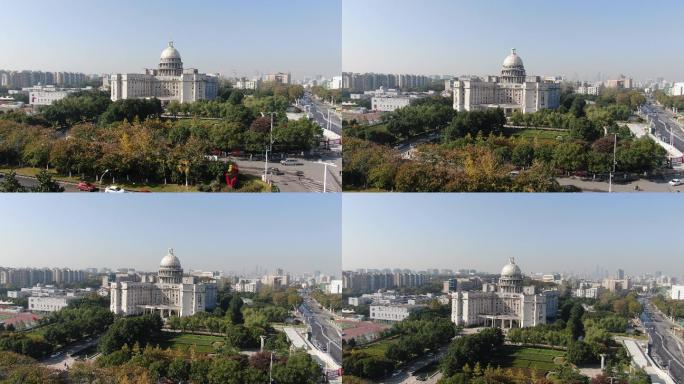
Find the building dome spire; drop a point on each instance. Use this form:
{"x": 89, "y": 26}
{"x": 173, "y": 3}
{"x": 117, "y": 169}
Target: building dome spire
{"x": 513, "y": 70}
{"x": 170, "y": 63}
{"x": 170, "y": 270}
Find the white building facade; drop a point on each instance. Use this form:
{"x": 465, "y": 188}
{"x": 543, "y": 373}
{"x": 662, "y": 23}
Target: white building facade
{"x": 248, "y": 285}
{"x": 49, "y": 303}
{"x": 171, "y": 295}
{"x": 512, "y": 91}
{"x": 506, "y": 305}
{"x": 677, "y": 292}
{"x": 168, "y": 82}
{"x": 392, "y": 313}
{"x": 677, "y": 89}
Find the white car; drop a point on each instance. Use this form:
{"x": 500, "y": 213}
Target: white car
{"x": 114, "y": 189}
{"x": 676, "y": 182}
{"x": 291, "y": 162}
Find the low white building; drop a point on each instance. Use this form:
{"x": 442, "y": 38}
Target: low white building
{"x": 243, "y": 83}
{"x": 18, "y": 294}
{"x": 390, "y": 103}
{"x": 588, "y": 89}
{"x": 356, "y": 301}
{"x": 589, "y": 292}
{"x": 335, "y": 287}
{"x": 392, "y": 313}
{"x": 49, "y": 303}
{"x": 47, "y": 97}
{"x": 677, "y": 292}
{"x": 677, "y": 89}
{"x": 247, "y": 285}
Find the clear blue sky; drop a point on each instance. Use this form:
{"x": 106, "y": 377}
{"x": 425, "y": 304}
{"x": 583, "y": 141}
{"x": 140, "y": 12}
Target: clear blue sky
{"x": 302, "y": 36}
{"x": 573, "y": 38}
{"x": 296, "y": 232}
{"x": 545, "y": 233}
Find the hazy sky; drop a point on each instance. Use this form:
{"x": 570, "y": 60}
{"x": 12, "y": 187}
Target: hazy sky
{"x": 296, "y": 232}
{"x": 544, "y": 232}
{"x": 302, "y": 36}
{"x": 573, "y": 38}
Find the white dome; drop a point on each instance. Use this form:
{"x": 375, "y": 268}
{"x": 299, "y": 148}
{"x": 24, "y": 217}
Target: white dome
{"x": 511, "y": 269}
{"x": 170, "y": 52}
{"x": 513, "y": 60}
{"x": 170, "y": 260}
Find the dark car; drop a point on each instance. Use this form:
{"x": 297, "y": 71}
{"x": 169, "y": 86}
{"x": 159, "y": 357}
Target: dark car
{"x": 276, "y": 171}
{"x": 86, "y": 187}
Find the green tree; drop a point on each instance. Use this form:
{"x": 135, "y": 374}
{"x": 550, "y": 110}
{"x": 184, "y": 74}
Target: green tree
{"x": 179, "y": 370}
{"x": 10, "y": 183}
{"x": 46, "y": 183}
{"x": 575, "y": 326}
{"x": 235, "y": 310}
{"x": 223, "y": 371}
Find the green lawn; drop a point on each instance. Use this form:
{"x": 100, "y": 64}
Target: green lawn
{"x": 527, "y": 357}
{"x": 378, "y": 348}
{"x": 202, "y": 343}
{"x": 531, "y": 133}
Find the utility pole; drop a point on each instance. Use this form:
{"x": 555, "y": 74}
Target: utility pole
{"x": 610, "y": 179}
{"x": 270, "y": 146}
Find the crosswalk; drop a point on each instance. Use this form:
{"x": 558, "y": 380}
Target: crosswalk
{"x": 317, "y": 186}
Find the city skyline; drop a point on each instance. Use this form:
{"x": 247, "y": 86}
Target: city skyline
{"x": 237, "y": 37}
{"x": 299, "y": 234}
{"x": 545, "y": 233}
{"x": 472, "y": 37}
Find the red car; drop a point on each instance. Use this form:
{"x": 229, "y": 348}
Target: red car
{"x": 86, "y": 187}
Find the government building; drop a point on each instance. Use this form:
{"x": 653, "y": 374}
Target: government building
{"x": 168, "y": 82}
{"x": 505, "y": 305}
{"x": 168, "y": 294}
{"x": 512, "y": 91}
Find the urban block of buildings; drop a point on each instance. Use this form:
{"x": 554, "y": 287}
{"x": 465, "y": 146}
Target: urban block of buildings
{"x": 168, "y": 294}
{"x": 25, "y": 79}
{"x": 512, "y": 91}
{"x": 30, "y": 277}
{"x": 506, "y": 305}
{"x": 170, "y": 81}
{"x": 373, "y": 281}
{"x": 361, "y": 82}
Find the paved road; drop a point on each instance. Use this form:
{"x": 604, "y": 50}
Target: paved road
{"x": 602, "y": 186}
{"x": 311, "y": 181}
{"x": 63, "y": 360}
{"x": 665, "y": 127}
{"x": 319, "y": 112}
{"x": 404, "y": 376}
{"x": 323, "y": 334}
{"x": 31, "y": 182}
{"x": 666, "y": 348}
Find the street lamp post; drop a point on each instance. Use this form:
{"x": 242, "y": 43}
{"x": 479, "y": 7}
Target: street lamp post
{"x": 325, "y": 173}
{"x": 103, "y": 175}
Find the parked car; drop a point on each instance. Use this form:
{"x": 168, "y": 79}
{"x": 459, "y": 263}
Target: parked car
{"x": 675, "y": 182}
{"x": 299, "y": 173}
{"x": 114, "y": 189}
{"x": 86, "y": 187}
{"x": 291, "y": 162}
